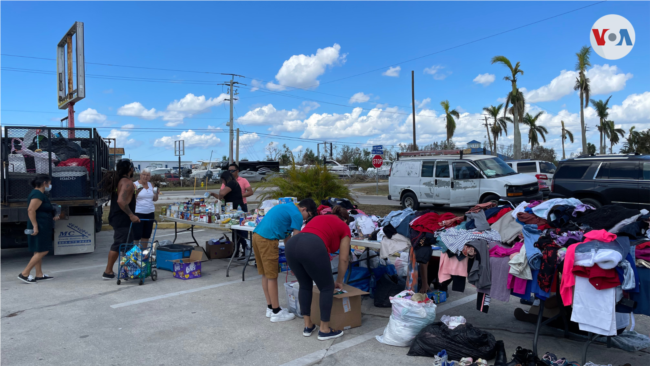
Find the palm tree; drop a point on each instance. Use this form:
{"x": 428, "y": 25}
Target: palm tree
{"x": 498, "y": 129}
{"x": 514, "y": 98}
{"x": 449, "y": 117}
{"x": 565, "y": 134}
{"x": 601, "y": 110}
{"x": 582, "y": 85}
{"x": 493, "y": 112}
{"x": 613, "y": 133}
{"x": 631, "y": 144}
{"x": 534, "y": 130}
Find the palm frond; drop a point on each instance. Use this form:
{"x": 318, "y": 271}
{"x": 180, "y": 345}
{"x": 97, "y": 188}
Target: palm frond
{"x": 445, "y": 105}
{"x": 569, "y": 134}
{"x": 455, "y": 113}
{"x": 502, "y": 60}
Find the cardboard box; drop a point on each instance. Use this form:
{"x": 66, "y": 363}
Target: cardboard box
{"x": 218, "y": 250}
{"x": 188, "y": 268}
{"x": 346, "y": 308}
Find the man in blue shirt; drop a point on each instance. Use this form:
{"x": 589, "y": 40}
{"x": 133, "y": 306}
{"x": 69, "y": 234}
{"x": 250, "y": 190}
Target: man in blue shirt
{"x": 279, "y": 223}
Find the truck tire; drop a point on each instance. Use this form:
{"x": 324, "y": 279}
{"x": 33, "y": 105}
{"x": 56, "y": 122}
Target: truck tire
{"x": 592, "y": 202}
{"x": 410, "y": 200}
{"x": 490, "y": 197}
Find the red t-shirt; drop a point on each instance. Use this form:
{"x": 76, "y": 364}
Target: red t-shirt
{"x": 330, "y": 229}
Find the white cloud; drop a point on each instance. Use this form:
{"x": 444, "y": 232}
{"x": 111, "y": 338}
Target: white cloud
{"x": 484, "y": 79}
{"x": 297, "y": 149}
{"x": 256, "y": 85}
{"x": 212, "y": 128}
{"x": 435, "y": 71}
{"x": 128, "y": 127}
{"x": 603, "y": 79}
{"x": 136, "y": 109}
{"x": 268, "y": 115}
{"x": 122, "y": 138}
{"x": 192, "y": 140}
{"x": 501, "y": 100}
{"x": 248, "y": 139}
{"x": 301, "y": 71}
{"x": 423, "y": 103}
{"x": 176, "y": 111}
{"x": 635, "y": 108}
{"x": 91, "y": 116}
{"x": 359, "y": 98}
{"x": 392, "y": 71}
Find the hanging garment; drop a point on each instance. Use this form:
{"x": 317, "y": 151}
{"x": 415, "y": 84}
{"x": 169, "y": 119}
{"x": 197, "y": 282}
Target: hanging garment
{"x": 499, "y": 268}
{"x": 507, "y": 228}
{"x": 533, "y": 288}
{"x": 482, "y": 206}
{"x": 597, "y": 251}
{"x": 568, "y": 279}
{"x": 642, "y": 298}
{"x": 477, "y": 220}
{"x": 455, "y": 239}
{"x": 542, "y": 210}
{"x": 629, "y": 282}
{"x": 601, "y": 279}
{"x": 548, "y": 264}
{"x": 531, "y": 234}
{"x": 397, "y": 243}
{"x": 480, "y": 274}
{"x": 396, "y": 217}
{"x": 500, "y": 251}
{"x": 519, "y": 265}
{"x": 430, "y": 222}
{"x": 593, "y": 309}
{"x": 606, "y": 217}
{"x": 483, "y": 302}
{"x": 451, "y": 267}
{"x": 643, "y": 253}
{"x": 412, "y": 274}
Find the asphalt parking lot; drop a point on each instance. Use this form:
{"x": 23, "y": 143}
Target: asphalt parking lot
{"x": 78, "y": 318}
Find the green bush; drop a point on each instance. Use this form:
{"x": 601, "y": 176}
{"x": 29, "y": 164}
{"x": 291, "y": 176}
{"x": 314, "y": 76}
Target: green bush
{"x": 314, "y": 182}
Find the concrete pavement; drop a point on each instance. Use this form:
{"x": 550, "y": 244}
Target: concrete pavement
{"x": 79, "y": 319}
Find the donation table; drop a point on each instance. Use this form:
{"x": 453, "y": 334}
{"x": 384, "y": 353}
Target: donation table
{"x": 366, "y": 244}
{"x": 191, "y": 228}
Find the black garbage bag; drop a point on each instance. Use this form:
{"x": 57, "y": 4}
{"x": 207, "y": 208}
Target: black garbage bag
{"x": 463, "y": 341}
{"x": 387, "y": 286}
{"x": 62, "y": 147}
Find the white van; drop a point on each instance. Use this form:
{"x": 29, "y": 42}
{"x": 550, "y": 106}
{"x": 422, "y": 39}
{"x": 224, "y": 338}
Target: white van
{"x": 457, "y": 180}
{"x": 542, "y": 170}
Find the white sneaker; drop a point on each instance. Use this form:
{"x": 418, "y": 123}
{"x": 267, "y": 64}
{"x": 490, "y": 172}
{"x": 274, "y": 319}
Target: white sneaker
{"x": 283, "y": 316}
{"x": 269, "y": 312}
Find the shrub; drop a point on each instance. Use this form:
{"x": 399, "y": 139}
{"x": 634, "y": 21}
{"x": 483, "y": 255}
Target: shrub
{"x": 314, "y": 182}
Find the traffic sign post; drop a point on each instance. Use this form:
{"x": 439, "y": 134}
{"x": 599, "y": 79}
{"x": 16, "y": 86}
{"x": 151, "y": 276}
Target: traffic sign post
{"x": 377, "y": 162}
{"x": 378, "y": 149}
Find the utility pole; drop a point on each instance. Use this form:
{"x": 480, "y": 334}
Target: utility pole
{"x": 179, "y": 150}
{"x": 415, "y": 148}
{"x": 488, "y": 134}
{"x": 237, "y": 155}
{"x": 231, "y": 89}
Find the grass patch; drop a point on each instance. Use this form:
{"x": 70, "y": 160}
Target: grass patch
{"x": 383, "y": 190}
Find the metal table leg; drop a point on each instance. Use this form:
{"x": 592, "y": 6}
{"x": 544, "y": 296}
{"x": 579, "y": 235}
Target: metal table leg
{"x": 234, "y": 254}
{"x": 540, "y": 316}
{"x": 175, "y": 232}
{"x": 590, "y": 339}
{"x": 248, "y": 259}
{"x": 197, "y": 243}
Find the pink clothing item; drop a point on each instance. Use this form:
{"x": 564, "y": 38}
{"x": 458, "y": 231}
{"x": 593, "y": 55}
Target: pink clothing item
{"x": 499, "y": 251}
{"x": 516, "y": 284}
{"x": 243, "y": 183}
{"x": 451, "y": 267}
{"x": 568, "y": 278}
{"x": 534, "y": 203}
{"x": 643, "y": 253}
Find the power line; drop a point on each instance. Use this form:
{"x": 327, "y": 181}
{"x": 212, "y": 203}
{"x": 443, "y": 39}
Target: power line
{"x": 109, "y": 115}
{"x": 466, "y": 43}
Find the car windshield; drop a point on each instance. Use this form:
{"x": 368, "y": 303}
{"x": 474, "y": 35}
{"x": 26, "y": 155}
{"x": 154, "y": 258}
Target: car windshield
{"x": 495, "y": 167}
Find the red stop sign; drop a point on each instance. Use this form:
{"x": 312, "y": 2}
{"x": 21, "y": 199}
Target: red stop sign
{"x": 377, "y": 161}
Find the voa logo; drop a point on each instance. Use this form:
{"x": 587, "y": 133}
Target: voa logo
{"x": 612, "y": 37}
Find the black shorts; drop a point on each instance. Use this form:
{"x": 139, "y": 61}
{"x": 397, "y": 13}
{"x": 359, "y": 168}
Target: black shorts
{"x": 143, "y": 229}
{"x": 120, "y": 237}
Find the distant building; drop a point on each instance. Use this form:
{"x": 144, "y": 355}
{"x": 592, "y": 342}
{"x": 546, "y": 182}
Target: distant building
{"x": 141, "y": 164}
{"x": 474, "y": 144}
{"x": 115, "y": 154}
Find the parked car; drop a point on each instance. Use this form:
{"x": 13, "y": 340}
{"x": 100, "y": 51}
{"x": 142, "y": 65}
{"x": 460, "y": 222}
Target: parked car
{"x": 457, "y": 180}
{"x": 259, "y": 176}
{"x": 600, "y": 180}
{"x": 542, "y": 170}
{"x": 160, "y": 171}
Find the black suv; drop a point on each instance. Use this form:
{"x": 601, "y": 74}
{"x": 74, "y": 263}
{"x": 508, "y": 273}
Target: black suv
{"x": 605, "y": 179}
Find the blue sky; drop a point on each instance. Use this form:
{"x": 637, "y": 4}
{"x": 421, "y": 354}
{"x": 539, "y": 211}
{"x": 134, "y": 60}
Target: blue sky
{"x": 302, "y": 63}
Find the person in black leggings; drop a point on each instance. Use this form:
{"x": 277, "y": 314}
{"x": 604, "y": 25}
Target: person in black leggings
{"x": 308, "y": 257}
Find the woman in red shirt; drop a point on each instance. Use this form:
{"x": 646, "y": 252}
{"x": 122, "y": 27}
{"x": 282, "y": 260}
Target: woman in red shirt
{"x": 308, "y": 257}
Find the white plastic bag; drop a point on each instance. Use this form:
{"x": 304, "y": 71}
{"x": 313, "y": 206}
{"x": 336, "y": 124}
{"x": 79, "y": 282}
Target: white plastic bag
{"x": 402, "y": 264}
{"x": 407, "y": 320}
{"x": 292, "y": 289}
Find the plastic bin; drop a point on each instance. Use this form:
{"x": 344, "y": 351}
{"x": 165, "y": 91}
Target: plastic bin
{"x": 166, "y": 254}
{"x": 69, "y": 181}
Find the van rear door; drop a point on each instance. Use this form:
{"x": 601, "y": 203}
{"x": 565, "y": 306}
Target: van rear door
{"x": 426, "y": 186}
{"x": 465, "y": 184}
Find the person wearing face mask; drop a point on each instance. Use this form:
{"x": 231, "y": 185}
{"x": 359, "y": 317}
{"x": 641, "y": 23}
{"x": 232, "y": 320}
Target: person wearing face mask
{"x": 119, "y": 185}
{"x": 41, "y": 214}
{"x": 279, "y": 223}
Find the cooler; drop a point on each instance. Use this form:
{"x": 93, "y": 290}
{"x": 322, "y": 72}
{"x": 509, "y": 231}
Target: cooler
{"x": 69, "y": 181}
{"x": 165, "y": 255}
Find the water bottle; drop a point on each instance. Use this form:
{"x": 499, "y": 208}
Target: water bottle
{"x": 29, "y": 231}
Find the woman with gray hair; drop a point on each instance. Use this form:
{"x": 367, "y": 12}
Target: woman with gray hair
{"x": 145, "y": 196}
